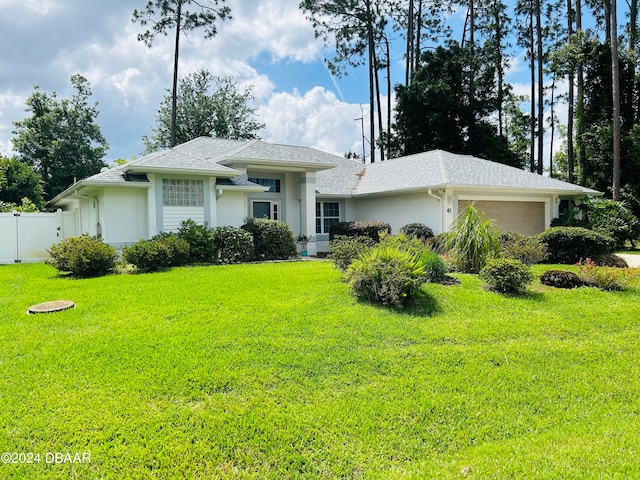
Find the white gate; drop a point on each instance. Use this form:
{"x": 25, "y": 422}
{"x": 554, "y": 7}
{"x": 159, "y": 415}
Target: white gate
{"x": 26, "y": 237}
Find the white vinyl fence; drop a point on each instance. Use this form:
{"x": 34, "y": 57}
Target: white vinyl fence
{"x": 26, "y": 237}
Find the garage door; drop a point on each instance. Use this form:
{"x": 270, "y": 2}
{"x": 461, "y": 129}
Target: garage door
{"x": 521, "y": 217}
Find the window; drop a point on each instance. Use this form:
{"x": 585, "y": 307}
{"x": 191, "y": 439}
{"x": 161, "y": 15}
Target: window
{"x": 327, "y": 214}
{"x": 182, "y": 193}
{"x": 272, "y": 183}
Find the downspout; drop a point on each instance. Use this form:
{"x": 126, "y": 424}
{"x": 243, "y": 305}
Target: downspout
{"x": 97, "y": 207}
{"x": 431, "y": 194}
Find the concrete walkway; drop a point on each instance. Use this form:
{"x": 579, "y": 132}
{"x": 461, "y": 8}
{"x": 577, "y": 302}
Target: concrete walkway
{"x": 632, "y": 260}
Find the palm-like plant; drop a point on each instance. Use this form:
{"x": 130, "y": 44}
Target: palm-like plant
{"x": 473, "y": 240}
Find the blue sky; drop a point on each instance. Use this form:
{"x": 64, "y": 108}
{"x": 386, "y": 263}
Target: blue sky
{"x": 268, "y": 44}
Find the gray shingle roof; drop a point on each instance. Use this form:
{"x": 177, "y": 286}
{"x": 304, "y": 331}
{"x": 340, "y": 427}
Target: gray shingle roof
{"x": 437, "y": 169}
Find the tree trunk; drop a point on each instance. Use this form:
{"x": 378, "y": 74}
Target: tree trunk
{"x": 410, "y": 51}
{"x": 174, "y": 94}
{"x": 416, "y": 53}
{"x": 582, "y": 151}
{"x": 540, "y": 59}
{"x": 372, "y": 112}
{"x": 615, "y": 77}
{"x": 532, "y": 56}
{"x": 570, "y": 100}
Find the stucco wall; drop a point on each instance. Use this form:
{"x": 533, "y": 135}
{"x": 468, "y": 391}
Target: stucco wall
{"x": 123, "y": 215}
{"x": 232, "y": 209}
{"x": 398, "y": 210}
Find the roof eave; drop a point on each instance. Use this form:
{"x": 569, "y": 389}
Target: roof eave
{"x": 183, "y": 171}
{"x": 317, "y": 166}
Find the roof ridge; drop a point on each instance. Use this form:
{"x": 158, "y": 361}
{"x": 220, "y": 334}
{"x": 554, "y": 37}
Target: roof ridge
{"x": 443, "y": 166}
{"x": 245, "y": 144}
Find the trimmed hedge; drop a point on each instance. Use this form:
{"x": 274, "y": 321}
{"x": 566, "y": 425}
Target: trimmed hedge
{"x": 201, "y": 246}
{"x": 507, "y": 275}
{"x": 233, "y": 245}
{"x": 528, "y": 250}
{"x": 148, "y": 255}
{"x": 417, "y": 230}
{"x": 179, "y": 250}
{"x": 568, "y": 245}
{"x": 272, "y": 239}
{"x": 83, "y": 256}
{"x": 371, "y": 229}
{"x": 561, "y": 279}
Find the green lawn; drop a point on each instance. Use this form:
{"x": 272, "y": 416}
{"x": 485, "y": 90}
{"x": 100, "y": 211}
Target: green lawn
{"x": 274, "y": 371}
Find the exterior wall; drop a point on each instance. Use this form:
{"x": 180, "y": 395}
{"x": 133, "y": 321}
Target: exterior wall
{"x": 169, "y": 218}
{"x": 123, "y": 215}
{"x": 231, "y": 209}
{"x": 399, "y": 210}
{"x": 293, "y": 202}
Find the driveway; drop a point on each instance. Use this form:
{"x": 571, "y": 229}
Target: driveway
{"x": 632, "y": 260}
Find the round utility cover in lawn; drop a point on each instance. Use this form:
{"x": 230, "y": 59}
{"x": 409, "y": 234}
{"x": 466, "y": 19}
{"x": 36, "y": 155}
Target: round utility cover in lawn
{"x": 50, "y": 307}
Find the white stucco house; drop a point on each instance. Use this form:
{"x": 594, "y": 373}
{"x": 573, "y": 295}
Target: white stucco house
{"x": 220, "y": 182}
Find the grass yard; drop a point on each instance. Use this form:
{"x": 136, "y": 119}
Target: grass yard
{"x": 274, "y": 371}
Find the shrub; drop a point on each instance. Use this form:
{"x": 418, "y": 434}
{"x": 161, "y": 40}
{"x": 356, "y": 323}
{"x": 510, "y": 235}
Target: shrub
{"x": 528, "y": 250}
{"x": 233, "y": 245}
{"x": 611, "y": 260}
{"x": 417, "y": 230}
{"x": 561, "y": 279}
{"x": 83, "y": 256}
{"x": 507, "y": 275}
{"x": 272, "y": 239}
{"x": 344, "y": 250}
{"x": 435, "y": 268}
{"x": 439, "y": 243}
{"x": 386, "y": 275}
{"x": 201, "y": 246}
{"x": 606, "y": 278}
{"x": 569, "y": 245}
{"x": 148, "y": 255}
{"x": 179, "y": 251}
{"x": 614, "y": 219}
{"x": 371, "y": 229}
{"x": 472, "y": 241}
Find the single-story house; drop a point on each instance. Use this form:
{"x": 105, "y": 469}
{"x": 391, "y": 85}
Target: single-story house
{"x": 220, "y": 182}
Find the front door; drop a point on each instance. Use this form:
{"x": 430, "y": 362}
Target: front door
{"x": 265, "y": 209}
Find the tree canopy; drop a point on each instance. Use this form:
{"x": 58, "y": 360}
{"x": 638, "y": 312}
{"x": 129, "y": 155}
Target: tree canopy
{"x": 163, "y": 16}
{"x": 17, "y": 182}
{"x": 61, "y": 139}
{"x": 207, "y": 106}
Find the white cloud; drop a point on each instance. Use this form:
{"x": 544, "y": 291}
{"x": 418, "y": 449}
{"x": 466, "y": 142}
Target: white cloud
{"x": 316, "y": 119}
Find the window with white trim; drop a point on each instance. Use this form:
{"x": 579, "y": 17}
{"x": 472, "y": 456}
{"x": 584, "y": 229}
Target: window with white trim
{"x": 178, "y": 192}
{"x": 327, "y": 214}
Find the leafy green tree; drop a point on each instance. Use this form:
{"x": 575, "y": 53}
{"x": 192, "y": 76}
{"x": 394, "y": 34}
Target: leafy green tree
{"x": 437, "y": 111}
{"x": 19, "y": 181}
{"x": 207, "y": 106}
{"x": 163, "y": 16}
{"x": 61, "y": 139}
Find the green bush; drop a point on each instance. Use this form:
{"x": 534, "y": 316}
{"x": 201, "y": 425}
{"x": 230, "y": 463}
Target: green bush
{"x": 417, "y": 230}
{"x": 83, "y": 256}
{"x": 148, "y": 255}
{"x": 179, "y": 250}
{"x": 473, "y": 240}
{"x": 233, "y": 245}
{"x": 371, "y": 229}
{"x": 435, "y": 268}
{"x": 507, "y": 275}
{"x": 561, "y": 279}
{"x": 569, "y": 245}
{"x": 201, "y": 246}
{"x": 438, "y": 243}
{"x": 272, "y": 239}
{"x": 528, "y": 250}
{"x": 344, "y": 250}
{"x": 386, "y": 275}
{"x": 614, "y": 219}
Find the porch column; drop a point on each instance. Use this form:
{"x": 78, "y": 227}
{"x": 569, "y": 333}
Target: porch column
{"x": 308, "y": 210}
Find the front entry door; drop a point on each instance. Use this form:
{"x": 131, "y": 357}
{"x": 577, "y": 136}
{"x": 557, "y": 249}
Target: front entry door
{"x": 265, "y": 209}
